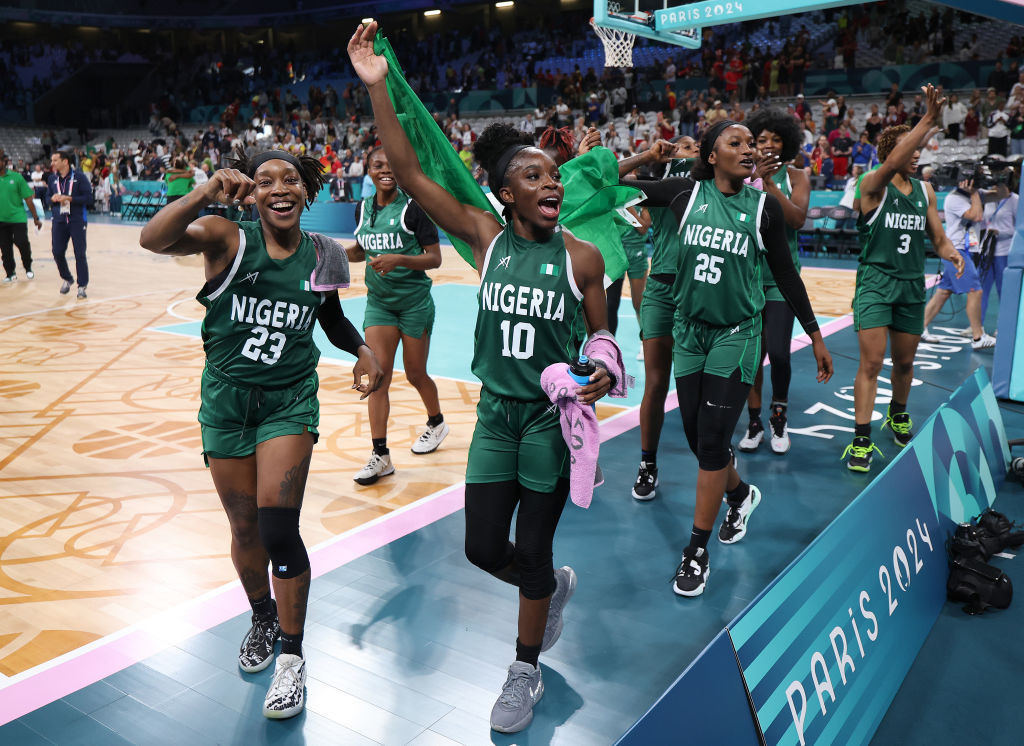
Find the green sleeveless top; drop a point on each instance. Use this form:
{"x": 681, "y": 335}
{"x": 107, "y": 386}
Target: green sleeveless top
{"x": 258, "y": 328}
{"x": 718, "y": 276}
{"x": 386, "y": 232}
{"x": 634, "y": 243}
{"x": 781, "y": 179}
{"x": 530, "y": 314}
{"x": 892, "y": 238}
{"x": 665, "y": 258}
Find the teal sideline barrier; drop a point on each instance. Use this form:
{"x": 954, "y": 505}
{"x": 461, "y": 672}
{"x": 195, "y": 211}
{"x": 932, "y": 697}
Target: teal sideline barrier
{"x": 1008, "y": 365}
{"x": 824, "y": 648}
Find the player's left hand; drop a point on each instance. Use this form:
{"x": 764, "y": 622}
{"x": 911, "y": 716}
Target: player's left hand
{"x": 384, "y": 263}
{"x": 600, "y": 384}
{"x": 367, "y": 365}
{"x": 824, "y": 359}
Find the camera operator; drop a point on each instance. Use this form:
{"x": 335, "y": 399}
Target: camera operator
{"x": 994, "y": 246}
{"x": 964, "y": 213}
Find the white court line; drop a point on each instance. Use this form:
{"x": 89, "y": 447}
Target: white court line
{"x": 79, "y": 304}
{"x": 175, "y": 314}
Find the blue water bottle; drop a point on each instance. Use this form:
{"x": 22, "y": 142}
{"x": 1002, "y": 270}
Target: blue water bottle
{"x": 581, "y": 369}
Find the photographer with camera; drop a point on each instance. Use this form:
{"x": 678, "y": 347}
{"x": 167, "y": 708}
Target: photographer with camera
{"x": 964, "y": 214}
{"x": 996, "y": 239}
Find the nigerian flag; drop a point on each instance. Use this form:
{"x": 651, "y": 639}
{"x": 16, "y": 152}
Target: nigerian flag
{"x": 592, "y": 191}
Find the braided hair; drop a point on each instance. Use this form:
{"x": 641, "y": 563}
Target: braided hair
{"x": 311, "y": 171}
{"x": 561, "y": 140}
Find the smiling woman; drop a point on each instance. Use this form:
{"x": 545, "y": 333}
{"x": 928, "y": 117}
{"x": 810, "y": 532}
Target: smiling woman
{"x": 259, "y": 410}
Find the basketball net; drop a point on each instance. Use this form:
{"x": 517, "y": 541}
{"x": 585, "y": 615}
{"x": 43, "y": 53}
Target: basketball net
{"x": 618, "y": 45}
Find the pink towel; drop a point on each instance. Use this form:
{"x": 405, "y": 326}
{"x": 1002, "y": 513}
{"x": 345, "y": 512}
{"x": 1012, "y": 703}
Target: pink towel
{"x": 579, "y": 428}
{"x": 756, "y": 183}
{"x": 602, "y": 348}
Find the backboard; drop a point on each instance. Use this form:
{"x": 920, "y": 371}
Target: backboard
{"x": 637, "y": 17}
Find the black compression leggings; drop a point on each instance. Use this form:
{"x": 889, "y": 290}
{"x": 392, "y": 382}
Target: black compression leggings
{"x": 710, "y": 407}
{"x": 527, "y": 563}
{"x": 778, "y": 335}
{"x": 614, "y": 297}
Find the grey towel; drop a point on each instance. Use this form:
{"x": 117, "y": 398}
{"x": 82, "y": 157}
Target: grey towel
{"x": 331, "y": 272}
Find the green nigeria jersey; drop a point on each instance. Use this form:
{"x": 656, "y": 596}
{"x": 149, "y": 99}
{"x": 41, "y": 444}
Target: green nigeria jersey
{"x": 781, "y": 179}
{"x": 718, "y": 275}
{"x": 665, "y": 258}
{"x": 892, "y": 239}
{"x": 634, "y": 243}
{"x": 385, "y": 231}
{"x": 530, "y": 315}
{"x": 258, "y": 328}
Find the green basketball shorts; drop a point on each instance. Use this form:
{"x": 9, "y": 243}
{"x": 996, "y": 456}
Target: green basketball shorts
{"x": 414, "y": 321}
{"x": 884, "y": 300}
{"x": 636, "y": 254}
{"x": 657, "y": 310}
{"x": 517, "y": 440}
{"x": 717, "y": 350}
{"x": 234, "y": 418}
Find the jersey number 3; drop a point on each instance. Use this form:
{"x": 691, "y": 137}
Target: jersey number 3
{"x": 520, "y": 346}
{"x": 253, "y": 348}
{"x": 904, "y": 247}
{"x": 707, "y": 269}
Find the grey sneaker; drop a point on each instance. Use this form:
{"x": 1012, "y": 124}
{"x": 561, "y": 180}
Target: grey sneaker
{"x": 81, "y": 293}
{"x": 286, "y": 696}
{"x": 522, "y": 690}
{"x": 430, "y": 439}
{"x": 9, "y": 279}
{"x": 378, "y": 466}
{"x": 65, "y": 287}
{"x": 565, "y": 586}
{"x": 257, "y": 648}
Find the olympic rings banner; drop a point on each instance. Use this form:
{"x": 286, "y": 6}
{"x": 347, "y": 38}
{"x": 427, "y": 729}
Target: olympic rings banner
{"x": 824, "y": 648}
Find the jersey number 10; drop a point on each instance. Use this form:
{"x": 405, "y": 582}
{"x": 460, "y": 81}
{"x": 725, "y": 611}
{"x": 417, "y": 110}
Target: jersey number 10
{"x": 521, "y": 347}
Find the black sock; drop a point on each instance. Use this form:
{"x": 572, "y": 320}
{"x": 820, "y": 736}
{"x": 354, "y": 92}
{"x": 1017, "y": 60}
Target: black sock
{"x": 698, "y": 539}
{"x": 436, "y": 420}
{"x": 737, "y": 495}
{"x": 527, "y": 653}
{"x": 862, "y": 431}
{"x": 380, "y": 446}
{"x": 896, "y": 407}
{"x": 755, "y": 414}
{"x": 649, "y": 457}
{"x": 291, "y": 644}
{"x": 263, "y": 607}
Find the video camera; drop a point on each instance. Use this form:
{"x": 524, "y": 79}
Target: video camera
{"x": 991, "y": 172}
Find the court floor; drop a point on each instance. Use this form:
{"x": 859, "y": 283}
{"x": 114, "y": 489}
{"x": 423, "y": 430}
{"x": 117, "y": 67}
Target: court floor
{"x": 119, "y": 614}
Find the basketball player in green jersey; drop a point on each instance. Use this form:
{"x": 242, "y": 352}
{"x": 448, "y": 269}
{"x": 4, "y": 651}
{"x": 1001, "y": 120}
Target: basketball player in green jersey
{"x": 399, "y": 243}
{"x": 259, "y": 410}
{"x": 538, "y": 285}
{"x": 778, "y": 141}
{"x": 656, "y": 312}
{"x": 634, "y": 243}
{"x": 724, "y": 228}
{"x": 897, "y": 212}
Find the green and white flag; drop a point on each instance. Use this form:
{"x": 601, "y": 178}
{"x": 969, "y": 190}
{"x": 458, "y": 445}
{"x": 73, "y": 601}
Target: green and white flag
{"x": 742, "y": 217}
{"x": 549, "y": 269}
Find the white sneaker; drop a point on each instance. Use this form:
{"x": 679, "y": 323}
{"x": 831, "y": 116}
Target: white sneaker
{"x": 30, "y": 275}
{"x": 734, "y": 525}
{"x": 779, "y": 427}
{"x": 378, "y": 466}
{"x": 753, "y": 437}
{"x": 430, "y": 439}
{"x": 286, "y": 696}
{"x": 640, "y": 355}
{"x": 927, "y": 336}
{"x": 10, "y": 279}
{"x": 984, "y": 342}
{"x": 966, "y": 333}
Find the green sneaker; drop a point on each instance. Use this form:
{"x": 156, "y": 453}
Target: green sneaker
{"x": 900, "y": 424}
{"x": 859, "y": 452}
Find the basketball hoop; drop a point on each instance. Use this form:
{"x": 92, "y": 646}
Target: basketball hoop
{"x": 618, "y": 45}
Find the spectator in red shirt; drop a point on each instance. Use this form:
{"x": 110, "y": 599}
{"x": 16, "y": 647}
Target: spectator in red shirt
{"x": 665, "y": 129}
{"x": 670, "y": 97}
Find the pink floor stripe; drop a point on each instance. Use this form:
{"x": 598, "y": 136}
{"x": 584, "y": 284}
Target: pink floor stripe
{"x": 50, "y": 681}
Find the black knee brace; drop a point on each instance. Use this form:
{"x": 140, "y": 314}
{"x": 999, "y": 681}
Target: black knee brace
{"x": 279, "y": 533}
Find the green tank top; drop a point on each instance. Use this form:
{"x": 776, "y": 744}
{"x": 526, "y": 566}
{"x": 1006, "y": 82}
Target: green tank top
{"x": 892, "y": 239}
{"x": 634, "y": 243}
{"x": 718, "y": 276}
{"x": 387, "y": 233}
{"x": 530, "y": 315}
{"x": 781, "y": 179}
{"x": 258, "y": 328}
{"x": 665, "y": 258}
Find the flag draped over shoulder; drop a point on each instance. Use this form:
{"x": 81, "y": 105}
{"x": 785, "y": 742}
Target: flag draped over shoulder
{"x": 438, "y": 158}
{"x": 592, "y": 191}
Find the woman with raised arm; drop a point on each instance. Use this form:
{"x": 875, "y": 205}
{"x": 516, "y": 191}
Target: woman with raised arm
{"x": 897, "y": 213}
{"x": 538, "y": 285}
{"x": 398, "y": 243}
{"x": 778, "y": 142}
{"x": 259, "y": 411}
{"x": 724, "y": 229}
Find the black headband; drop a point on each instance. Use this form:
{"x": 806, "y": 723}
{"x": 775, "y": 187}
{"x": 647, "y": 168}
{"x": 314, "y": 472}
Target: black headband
{"x": 268, "y": 155}
{"x": 707, "y": 142}
{"x": 497, "y": 177}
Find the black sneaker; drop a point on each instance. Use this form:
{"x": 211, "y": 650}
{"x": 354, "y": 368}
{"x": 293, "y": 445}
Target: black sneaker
{"x": 860, "y": 451}
{"x": 257, "y": 649}
{"x": 753, "y": 437}
{"x": 692, "y": 574}
{"x": 646, "y": 481}
{"x": 900, "y": 424}
{"x": 734, "y": 526}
